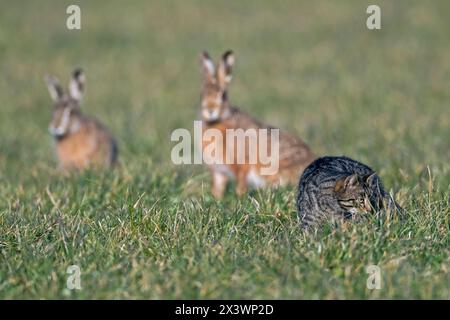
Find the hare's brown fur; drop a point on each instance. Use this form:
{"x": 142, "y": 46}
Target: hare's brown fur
{"x": 217, "y": 113}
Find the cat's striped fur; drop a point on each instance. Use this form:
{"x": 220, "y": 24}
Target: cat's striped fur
{"x": 339, "y": 188}
{"x": 81, "y": 142}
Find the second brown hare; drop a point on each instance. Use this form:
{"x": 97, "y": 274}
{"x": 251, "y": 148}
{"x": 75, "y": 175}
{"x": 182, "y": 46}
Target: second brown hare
{"x": 81, "y": 141}
{"x": 217, "y": 113}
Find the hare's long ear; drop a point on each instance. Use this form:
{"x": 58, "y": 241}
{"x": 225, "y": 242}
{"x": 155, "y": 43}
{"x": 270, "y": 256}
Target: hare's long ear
{"x": 77, "y": 85}
{"x": 208, "y": 67}
{"x": 54, "y": 88}
{"x": 224, "y": 71}
{"x": 373, "y": 182}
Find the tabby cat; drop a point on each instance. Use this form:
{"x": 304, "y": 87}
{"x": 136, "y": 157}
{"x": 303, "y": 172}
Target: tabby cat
{"x": 339, "y": 188}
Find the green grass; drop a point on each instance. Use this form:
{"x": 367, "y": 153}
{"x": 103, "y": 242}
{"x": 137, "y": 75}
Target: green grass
{"x": 152, "y": 229}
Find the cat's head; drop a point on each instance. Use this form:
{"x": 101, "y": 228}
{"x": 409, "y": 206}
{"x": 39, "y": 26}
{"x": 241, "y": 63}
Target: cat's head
{"x": 357, "y": 194}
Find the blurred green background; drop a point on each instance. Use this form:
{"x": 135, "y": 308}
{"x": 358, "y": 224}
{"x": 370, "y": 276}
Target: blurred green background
{"x": 311, "y": 67}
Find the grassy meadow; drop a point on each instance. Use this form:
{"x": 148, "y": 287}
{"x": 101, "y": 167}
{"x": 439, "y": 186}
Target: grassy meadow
{"x": 152, "y": 230}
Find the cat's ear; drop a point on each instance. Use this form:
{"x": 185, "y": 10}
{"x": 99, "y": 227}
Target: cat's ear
{"x": 77, "y": 85}
{"x": 224, "y": 70}
{"x": 347, "y": 182}
{"x": 370, "y": 178}
{"x": 209, "y": 71}
{"x": 373, "y": 182}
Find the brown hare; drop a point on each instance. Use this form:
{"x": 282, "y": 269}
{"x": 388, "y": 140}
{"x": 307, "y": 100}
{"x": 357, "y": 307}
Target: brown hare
{"x": 217, "y": 113}
{"x": 81, "y": 142}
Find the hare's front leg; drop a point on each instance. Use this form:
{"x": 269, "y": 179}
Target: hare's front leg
{"x": 220, "y": 180}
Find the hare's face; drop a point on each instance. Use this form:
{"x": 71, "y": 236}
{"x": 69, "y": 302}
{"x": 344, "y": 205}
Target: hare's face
{"x": 65, "y": 119}
{"x": 214, "y": 102}
{"x": 66, "y": 111}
